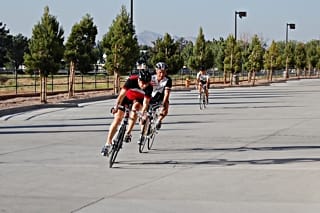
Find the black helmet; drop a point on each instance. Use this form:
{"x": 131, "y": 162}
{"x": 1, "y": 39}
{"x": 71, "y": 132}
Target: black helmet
{"x": 201, "y": 68}
{"x": 161, "y": 66}
{"x": 141, "y": 64}
{"x": 144, "y": 76}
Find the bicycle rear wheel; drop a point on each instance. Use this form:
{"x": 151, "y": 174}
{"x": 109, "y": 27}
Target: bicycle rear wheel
{"x": 116, "y": 146}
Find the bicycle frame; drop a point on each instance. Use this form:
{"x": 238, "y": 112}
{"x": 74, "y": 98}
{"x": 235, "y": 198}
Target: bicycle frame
{"x": 149, "y": 130}
{"x": 118, "y": 139}
{"x": 202, "y": 96}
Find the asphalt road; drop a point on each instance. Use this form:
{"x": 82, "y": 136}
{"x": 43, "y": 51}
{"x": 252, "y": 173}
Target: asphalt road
{"x": 253, "y": 149}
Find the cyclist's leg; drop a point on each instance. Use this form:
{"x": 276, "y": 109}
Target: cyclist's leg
{"x": 163, "y": 113}
{"x": 113, "y": 127}
{"x": 207, "y": 92}
{"x": 136, "y": 106}
{"x": 200, "y": 87}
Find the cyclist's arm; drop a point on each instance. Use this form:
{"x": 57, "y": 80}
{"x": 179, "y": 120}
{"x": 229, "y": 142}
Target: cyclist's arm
{"x": 208, "y": 81}
{"x": 167, "y": 91}
{"x": 145, "y": 104}
{"x": 198, "y": 78}
{"x": 121, "y": 96}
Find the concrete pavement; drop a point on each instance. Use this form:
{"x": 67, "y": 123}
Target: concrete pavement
{"x": 253, "y": 149}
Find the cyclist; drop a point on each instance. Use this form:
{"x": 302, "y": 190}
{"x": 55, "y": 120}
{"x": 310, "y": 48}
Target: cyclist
{"x": 203, "y": 79}
{"x": 140, "y": 65}
{"x": 137, "y": 91}
{"x": 162, "y": 85}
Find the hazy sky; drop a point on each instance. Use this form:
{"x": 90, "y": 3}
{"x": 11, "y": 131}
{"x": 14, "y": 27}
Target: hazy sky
{"x": 266, "y": 18}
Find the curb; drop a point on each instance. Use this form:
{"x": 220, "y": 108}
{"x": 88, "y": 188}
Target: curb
{"x": 64, "y": 104}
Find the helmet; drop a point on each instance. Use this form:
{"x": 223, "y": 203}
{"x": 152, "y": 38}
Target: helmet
{"x": 201, "y": 68}
{"x": 141, "y": 64}
{"x": 144, "y": 76}
{"x": 161, "y": 66}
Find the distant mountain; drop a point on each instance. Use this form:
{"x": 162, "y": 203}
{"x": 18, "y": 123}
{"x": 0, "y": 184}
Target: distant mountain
{"x": 147, "y": 37}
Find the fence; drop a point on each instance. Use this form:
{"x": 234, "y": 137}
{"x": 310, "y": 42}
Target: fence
{"x": 18, "y": 84}
{"x": 22, "y": 84}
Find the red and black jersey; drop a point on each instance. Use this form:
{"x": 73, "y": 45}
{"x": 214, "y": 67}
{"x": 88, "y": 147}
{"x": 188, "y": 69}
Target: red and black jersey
{"x": 134, "y": 92}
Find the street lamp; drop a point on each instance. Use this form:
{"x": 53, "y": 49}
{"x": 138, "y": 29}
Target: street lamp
{"x": 131, "y": 13}
{"x": 241, "y": 14}
{"x": 291, "y": 27}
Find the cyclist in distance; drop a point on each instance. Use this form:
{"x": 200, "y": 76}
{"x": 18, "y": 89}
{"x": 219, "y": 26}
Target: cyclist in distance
{"x": 140, "y": 65}
{"x": 162, "y": 85}
{"x": 203, "y": 79}
{"x": 137, "y": 91}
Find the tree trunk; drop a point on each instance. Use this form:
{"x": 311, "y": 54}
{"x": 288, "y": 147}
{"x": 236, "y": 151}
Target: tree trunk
{"x": 271, "y": 74}
{"x": 43, "y": 87}
{"x": 249, "y": 76}
{"x": 72, "y": 77}
{"x": 253, "y": 77}
{"x": 116, "y": 85}
{"x": 287, "y": 71}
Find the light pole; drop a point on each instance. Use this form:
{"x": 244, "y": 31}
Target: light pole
{"x": 291, "y": 27}
{"x": 241, "y": 14}
{"x": 131, "y": 13}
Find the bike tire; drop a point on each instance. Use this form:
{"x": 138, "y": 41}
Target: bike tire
{"x": 201, "y": 100}
{"x": 152, "y": 135}
{"x": 116, "y": 146}
{"x": 143, "y": 137}
{"x": 204, "y": 99}
{"x": 152, "y": 131}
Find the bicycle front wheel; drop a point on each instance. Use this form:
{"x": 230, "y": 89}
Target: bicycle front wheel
{"x": 204, "y": 99}
{"x": 201, "y": 100}
{"x": 116, "y": 146}
{"x": 151, "y": 137}
{"x": 143, "y": 136}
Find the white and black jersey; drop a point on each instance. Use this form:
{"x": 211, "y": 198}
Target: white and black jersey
{"x": 159, "y": 87}
{"x": 203, "y": 78}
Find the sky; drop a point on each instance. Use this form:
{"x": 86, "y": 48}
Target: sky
{"x": 266, "y": 18}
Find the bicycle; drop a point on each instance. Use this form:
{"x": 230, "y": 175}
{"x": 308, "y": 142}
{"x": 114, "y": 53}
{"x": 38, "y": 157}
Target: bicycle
{"x": 119, "y": 136}
{"x": 149, "y": 131}
{"x": 203, "y": 101}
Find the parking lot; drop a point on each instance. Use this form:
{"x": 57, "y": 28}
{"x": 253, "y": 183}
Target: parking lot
{"x": 253, "y": 149}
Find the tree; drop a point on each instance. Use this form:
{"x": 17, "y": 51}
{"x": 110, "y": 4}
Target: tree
{"x": 168, "y": 50}
{"x": 121, "y": 47}
{"x": 232, "y": 60}
{"x": 185, "y": 49}
{"x": 4, "y": 43}
{"x": 18, "y": 47}
{"x": 300, "y": 58}
{"x": 255, "y": 61}
{"x": 272, "y": 59}
{"x": 219, "y": 59}
{"x": 202, "y": 53}
{"x": 46, "y": 50}
{"x": 312, "y": 54}
{"x": 289, "y": 56}
{"x": 80, "y": 49}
